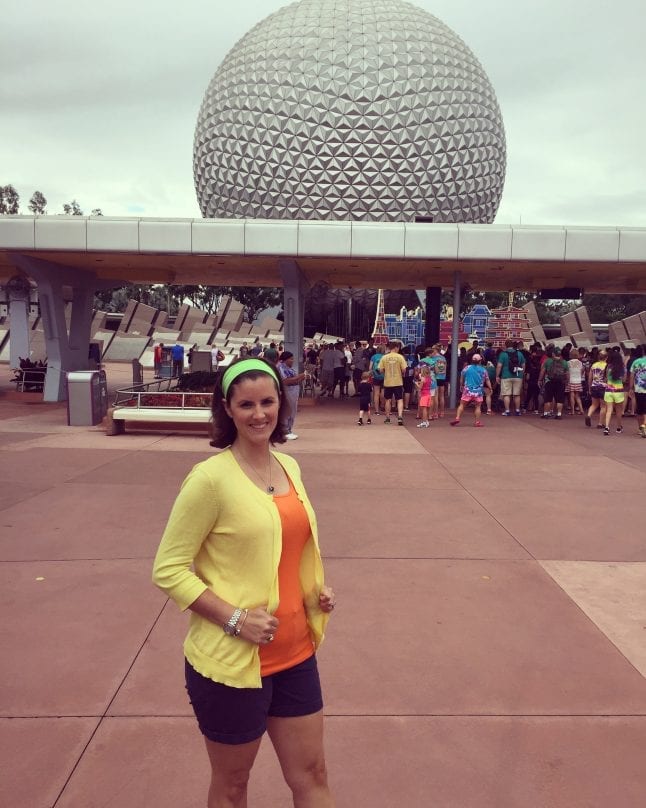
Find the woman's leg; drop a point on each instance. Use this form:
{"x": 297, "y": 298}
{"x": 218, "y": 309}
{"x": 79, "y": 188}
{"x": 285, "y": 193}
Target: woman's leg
{"x": 375, "y": 398}
{"x": 609, "y": 409}
{"x": 230, "y": 767}
{"x": 298, "y": 743}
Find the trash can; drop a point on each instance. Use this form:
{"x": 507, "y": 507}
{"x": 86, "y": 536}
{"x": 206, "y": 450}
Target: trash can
{"x": 87, "y": 397}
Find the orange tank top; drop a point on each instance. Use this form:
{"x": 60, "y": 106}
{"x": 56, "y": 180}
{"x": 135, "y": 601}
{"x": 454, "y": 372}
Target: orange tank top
{"x": 292, "y": 640}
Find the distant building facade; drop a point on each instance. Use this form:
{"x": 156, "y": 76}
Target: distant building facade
{"x": 407, "y": 326}
{"x": 508, "y": 322}
{"x": 476, "y": 321}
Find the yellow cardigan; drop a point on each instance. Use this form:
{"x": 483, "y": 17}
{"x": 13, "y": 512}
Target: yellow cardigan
{"x": 224, "y": 534}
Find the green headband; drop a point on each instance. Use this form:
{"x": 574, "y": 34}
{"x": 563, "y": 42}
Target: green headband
{"x": 244, "y": 366}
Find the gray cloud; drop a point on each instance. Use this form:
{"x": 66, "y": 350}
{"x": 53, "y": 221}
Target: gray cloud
{"x": 99, "y": 101}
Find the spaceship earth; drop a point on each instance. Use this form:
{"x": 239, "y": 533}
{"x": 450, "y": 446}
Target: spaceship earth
{"x": 370, "y": 110}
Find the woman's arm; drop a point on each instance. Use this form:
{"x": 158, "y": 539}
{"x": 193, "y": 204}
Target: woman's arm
{"x": 291, "y": 380}
{"x": 257, "y": 624}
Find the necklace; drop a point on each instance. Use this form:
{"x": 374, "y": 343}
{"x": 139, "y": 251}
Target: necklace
{"x": 268, "y": 486}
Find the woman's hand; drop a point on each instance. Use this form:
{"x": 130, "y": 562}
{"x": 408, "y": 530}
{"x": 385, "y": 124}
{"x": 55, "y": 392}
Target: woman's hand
{"x": 327, "y": 599}
{"x": 259, "y": 626}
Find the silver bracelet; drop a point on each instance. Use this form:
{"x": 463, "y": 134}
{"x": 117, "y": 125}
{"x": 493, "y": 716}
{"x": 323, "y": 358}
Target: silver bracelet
{"x": 230, "y": 626}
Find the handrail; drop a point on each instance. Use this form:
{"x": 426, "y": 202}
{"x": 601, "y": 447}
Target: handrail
{"x": 23, "y": 378}
{"x": 137, "y": 391}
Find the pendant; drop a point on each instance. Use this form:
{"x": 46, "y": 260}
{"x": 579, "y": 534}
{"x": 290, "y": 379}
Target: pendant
{"x": 270, "y": 489}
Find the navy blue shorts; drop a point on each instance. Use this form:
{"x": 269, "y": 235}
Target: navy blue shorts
{"x": 235, "y": 715}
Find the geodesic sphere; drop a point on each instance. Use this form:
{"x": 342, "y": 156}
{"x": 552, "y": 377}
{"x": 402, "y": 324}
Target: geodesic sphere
{"x": 350, "y": 109}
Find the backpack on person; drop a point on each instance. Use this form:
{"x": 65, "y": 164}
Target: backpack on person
{"x": 558, "y": 370}
{"x": 514, "y": 363}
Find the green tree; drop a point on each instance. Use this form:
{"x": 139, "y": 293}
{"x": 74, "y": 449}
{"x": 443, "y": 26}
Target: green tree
{"x": 206, "y": 298}
{"x": 72, "y": 208}
{"x": 256, "y": 299}
{"x": 38, "y": 204}
{"x": 97, "y": 212}
{"x": 608, "y": 308}
{"x": 117, "y": 298}
{"x": 9, "y": 199}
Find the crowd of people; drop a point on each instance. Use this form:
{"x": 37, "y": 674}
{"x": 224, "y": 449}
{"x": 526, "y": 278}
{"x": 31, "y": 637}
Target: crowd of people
{"x": 548, "y": 381}
{"x": 597, "y": 384}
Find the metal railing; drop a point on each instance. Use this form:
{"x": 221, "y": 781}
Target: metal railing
{"x": 30, "y": 379}
{"x": 166, "y": 396}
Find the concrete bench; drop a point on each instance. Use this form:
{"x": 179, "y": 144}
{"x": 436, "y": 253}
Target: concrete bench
{"x": 159, "y": 416}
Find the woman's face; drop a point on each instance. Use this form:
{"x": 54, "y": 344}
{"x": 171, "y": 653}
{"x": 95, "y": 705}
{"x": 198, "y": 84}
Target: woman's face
{"x": 254, "y": 408}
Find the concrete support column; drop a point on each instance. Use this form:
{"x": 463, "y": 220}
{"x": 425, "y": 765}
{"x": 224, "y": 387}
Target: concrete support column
{"x": 455, "y": 338}
{"x": 18, "y": 294}
{"x": 65, "y": 351}
{"x": 433, "y": 311}
{"x": 295, "y": 285}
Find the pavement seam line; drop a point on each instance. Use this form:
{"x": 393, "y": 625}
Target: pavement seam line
{"x": 484, "y": 507}
{"x": 587, "y": 616}
{"x": 105, "y": 712}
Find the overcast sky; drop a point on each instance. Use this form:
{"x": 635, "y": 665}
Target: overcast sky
{"x": 98, "y": 101}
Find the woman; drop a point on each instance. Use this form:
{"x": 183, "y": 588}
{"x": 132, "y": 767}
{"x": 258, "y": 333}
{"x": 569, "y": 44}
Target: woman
{"x": 614, "y": 396}
{"x": 575, "y": 382}
{"x": 240, "y": 551}
{"x": 292, "y": 381}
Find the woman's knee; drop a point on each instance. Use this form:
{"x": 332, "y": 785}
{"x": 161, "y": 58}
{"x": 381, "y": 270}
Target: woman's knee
{"x": 312, "y": 776}
{"x": 231, "y": 787}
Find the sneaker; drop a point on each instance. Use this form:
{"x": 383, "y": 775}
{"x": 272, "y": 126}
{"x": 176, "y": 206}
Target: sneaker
{"x": 456, "y": 422}
{"x": 441, "y": 415}
{"x": 588, "y": 420}
{"x": 479, "y": 423}
{"x": 506, "y": 412}
{"x": 422, "y": 425}
{"x": 488, "y": 412}
{"x": 517, "y": 412}
{"x": 360, "y": 422}
{"x": 619, "y": 430}
{"x": 400, "y": 422}
{"x": 642, "y": 430}
{"x": 291, "y": 436}
{"x": 536, "y": 412}
{"x": 368, "y": 421}
{"x": 558, "y": 416}
{"x": 386, "y": 420}
{"x": 606, "y": 431}
{"x": 546, "y": 415}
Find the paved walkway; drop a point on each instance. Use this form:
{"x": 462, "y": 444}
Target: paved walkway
{"x": 488, "y": 650}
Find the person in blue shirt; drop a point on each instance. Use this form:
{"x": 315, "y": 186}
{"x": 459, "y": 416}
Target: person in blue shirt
{"x": 510, "y": 372}
{"x": 438, "y": 364}
{"x": 377, "y": 379}
{"x": 178, "y": 359}
{"x": 473, "y": 381}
